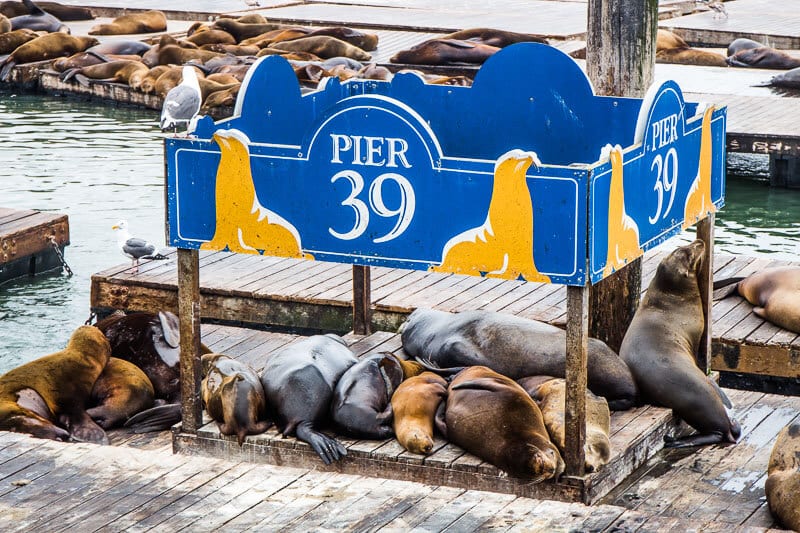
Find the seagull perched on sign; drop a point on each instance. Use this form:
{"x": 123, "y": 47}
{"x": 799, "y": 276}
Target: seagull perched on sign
{"x": 182, "y": 103}
{"x": 134, "y": 247}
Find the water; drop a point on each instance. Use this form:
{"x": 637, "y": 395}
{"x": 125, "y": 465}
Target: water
{"x": 100, "y": 163}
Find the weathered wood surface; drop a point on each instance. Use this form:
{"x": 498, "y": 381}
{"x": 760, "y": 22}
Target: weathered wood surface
{"x": 303, "y": 294}
{"x": 25, "y": 241}
{"x": 52, "y": 486}
{"x": 636, "y": 436}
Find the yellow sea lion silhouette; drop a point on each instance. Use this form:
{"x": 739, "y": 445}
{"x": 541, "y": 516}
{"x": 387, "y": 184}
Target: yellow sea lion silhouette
{"x": 623, "y": 233}
{"x": 243, "y": 224}
{"x": 503, "y": 246}
{"x": 698, "y": 201}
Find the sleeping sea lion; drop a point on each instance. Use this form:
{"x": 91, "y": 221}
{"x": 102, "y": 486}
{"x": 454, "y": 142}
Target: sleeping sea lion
{"x": 235, "y": 49}
{"x": 299, "y": 381}
{"x": 783, "y": 477}
{"x": 789, "y": 79}
{"x": 60, "y": 11}
{"x": 121, "y": 47}
{"x": 48, "y": 46}
{"x": 233, "y": 396}
{"x": 120, "y": 391}
{"x": 492, "y": 417}
{"x": 11, "y": 40}
{"x": 742, "y": 43}
{"x": 513, "y": 346}
{"x": 323, "y": 46}
{"x": 242, "y": 31}
{"x": 148, "y": 82}
{"x": 764, "y": 57}
{"x": 111, "y": 72}
{"x": 365, "y": 41}
{"x": 47, "y": 397}
{"x": 414, "y": 406}
{"x": 444, "y": 52}
{"x": 37, "y": 20}
{"x": 493, "y": 37}
{"x": 144, "y": 22}
{"x": 691, "y": 56}
{"x": 660, "y": 348}
{"x": 211, "y": 37}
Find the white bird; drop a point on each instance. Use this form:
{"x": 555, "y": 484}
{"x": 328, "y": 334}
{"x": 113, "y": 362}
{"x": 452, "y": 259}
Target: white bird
{"x": 716, "y": 6}
{"x": 134, "y": 247}
{"x": 182, "y": 103}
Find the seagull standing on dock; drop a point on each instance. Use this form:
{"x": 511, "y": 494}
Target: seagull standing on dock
{"x": 182, "y": 103}
{"x": 134, "y": 247}
{"x": 719, "y": 9}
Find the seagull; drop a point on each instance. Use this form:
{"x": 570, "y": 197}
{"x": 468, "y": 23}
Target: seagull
{"x": 719, "y": 9}
{"x": 182, "y": 103}
{"x": 134, "y": 247}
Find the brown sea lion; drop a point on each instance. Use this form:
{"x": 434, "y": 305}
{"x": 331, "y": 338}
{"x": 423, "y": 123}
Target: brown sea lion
{"x": 144, "y": 22}
{"x": 178, "y": 55}
{"x": 172, "y": 78}
{"x": 414, "y": 406}
{"x": 45, "y": 47}
{"x": 233, "y": 396}
{"x": 289, "y": 56}
{"x": 37, "y": 20}
{"x": 235, "y": 49}
{"x": 224, "y": 79}
{"x": 242, "y": 31}
{"x": 47, "y": 397}
{"x": 492, "y": 417}
{"x": 79, "y": 60}
{"x": 60, "y": 11}
{"x": 252, "y": 18}
{"x": 375, "y": 72}
{"x": 361, "y": 405}
{"x": 111, "y": 72}
{"x": 226, "y": 97}
{"x": 13, "y": 39}
{"x": 365, "y": 41}
{"x": 691, "y": 56}
{"x": 513, "y": 346}
{"x": 666, "y": 40}
{"x": 493, "y": 37}
{"x": 443, "y": 52}
{"x": 209, "y": 87}
{"x": 211, "y": 37}
{"x": 764, "y": 57}
{"x": 775, "y": 293}
{"x": 5, "y": 24}
{"x": 299, "y": 380}
{"x": 148, "y": 82}
{"x": 660, "y": 348}
{"x": 783, "y": 477}
{"x": 121, "y": 390}
{"x": 550, "y": 394}
{"x": 324, "y": 47}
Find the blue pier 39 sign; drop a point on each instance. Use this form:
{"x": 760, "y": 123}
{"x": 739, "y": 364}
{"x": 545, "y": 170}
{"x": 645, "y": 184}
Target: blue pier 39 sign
{"x": 496, "y": 180}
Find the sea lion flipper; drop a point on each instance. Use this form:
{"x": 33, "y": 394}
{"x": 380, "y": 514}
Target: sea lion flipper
{"x": 694, "y": 440}
{"x": 155, "y": 419}
{"x": 33, "y": 9}
{"x": 726, "y": 287}
{"x": 328, "y": 449}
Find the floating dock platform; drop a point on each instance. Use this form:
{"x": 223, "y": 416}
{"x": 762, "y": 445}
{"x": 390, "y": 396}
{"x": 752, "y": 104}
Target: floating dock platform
{"x": 31, "y": 242}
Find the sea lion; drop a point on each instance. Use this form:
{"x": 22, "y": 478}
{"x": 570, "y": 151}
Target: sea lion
{"x": 361, "y": 404}
{"x": 742, "y": 43}
{"x": 365, "y": 41}
{"x": 764, "y": 57}
{"x": 233, "y": 396}
{"x": 691, "y": 56}
{"x": 493, "y": 37}
{"x": 323, "y": 46}
{"x": 48, "y": 46}
{"x": 144, "y": 22}
{"x": 513, "y": 346}
{"x": 171, "y": 78}
{"x": 226, "y": 97}
{"x": 11, "y": 40}
{"x": 235, "y": 49}
{"x": 660, "y": 348}
{"x": 252, "y": 18}
{"x": 550, "y": 395}
{"x": 783, "y": 477}
{"x": 37, "y": 20}
{"x": 178, "y": 55}
{"x": 666, "y": 40}
{"x": 211, "y": 37}
{"x": 151, "y": 341}
{"x": 111, "y": 72}
{"x": 121, "y": 47}
{"x": 492, "y": 417}
{"x": 224, "y": 79}
{"x": 79, "y": 60}
{"x": 242, "y": 31}
{"x": 47, "y": 397}
{"x": 372, "y": 72}
{"x": 209, "y": 87}
{"x": 775, "y": 293}
{"x": 789, "y": 79}
{"x": 121, "y": 390}
{"x": 299, "y": 381}
{"x": 148, "y": 82}
{"x": 5, "y": 24}
{"x": 444, "y": 52}
{"x": 414, "y": 405}
{"x": 60, "y": 11}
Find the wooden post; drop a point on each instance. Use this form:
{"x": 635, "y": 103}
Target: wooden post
{"x": 362, "y": 300}
{"x": 189, "y": 316}
{"x": 620, "y": 57}
{"x": 705, "y": 278}
{"x": 575, "y": 408}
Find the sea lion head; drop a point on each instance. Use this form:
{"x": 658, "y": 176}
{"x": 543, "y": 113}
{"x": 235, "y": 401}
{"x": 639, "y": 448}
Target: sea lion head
{"x": 418, "y": 442}
{"x": 91, "y": 344}
{"x": 678, "y": 271}
{"x": 542, "y": 460}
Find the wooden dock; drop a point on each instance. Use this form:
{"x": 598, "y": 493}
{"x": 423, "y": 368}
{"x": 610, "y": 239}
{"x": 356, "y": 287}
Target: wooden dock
{"x": 53, "y": 486}
{"x": 636, "y": 435}
{"x": 30, "y": 242}
{"x": 290, "y": 293}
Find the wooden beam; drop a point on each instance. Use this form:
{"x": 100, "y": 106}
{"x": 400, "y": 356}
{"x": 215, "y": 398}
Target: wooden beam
{"x": 705, "y": 278}
{"x": 575, "y": 408}
{"x": 189, "y": 316}
{"x": 362, "y": 300}
{"x": 620, "y": 59}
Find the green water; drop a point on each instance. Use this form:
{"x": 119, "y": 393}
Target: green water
{"x": 99, "y": 163}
